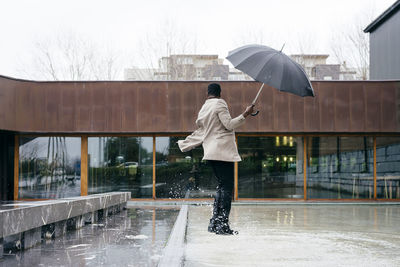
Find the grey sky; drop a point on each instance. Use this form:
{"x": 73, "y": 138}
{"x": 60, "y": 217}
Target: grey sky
{"x": 217, "y": 26}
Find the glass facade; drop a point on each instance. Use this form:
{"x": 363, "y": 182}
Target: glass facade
{"x": 182, "y": 175}
{"x": 271, "y": 167}
{"x": 340, "y": 167}
{"x": 121, "y": 164}
{"x": 49, "y": 167}
{"x": 388, "y": 167}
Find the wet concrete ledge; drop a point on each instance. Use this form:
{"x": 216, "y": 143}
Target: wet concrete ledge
{"x": 25, "y": 224}
{"x": 157, "y": 203}
{"x": 174, "y": 250}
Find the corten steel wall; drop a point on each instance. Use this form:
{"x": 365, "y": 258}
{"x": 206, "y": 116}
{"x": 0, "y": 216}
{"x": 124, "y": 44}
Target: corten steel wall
{"x": 171, "y": 107}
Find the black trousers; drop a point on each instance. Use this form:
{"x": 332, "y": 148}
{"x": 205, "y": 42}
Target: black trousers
{"x": 223, "y": 171}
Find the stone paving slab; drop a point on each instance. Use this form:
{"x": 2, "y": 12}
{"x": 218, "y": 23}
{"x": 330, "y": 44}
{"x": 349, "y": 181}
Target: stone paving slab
{"x": 297, "y": 235}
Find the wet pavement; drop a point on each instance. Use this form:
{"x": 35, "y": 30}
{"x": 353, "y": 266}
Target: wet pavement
{"x": 297, "y": 235}
{"x": 134, "y": 237}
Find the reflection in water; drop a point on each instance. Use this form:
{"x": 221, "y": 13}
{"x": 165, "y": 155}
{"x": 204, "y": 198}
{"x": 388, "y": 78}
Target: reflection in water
{"x": 134, "y": 237}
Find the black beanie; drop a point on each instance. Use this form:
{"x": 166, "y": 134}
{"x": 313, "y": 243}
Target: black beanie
{"x": 214, "y": 89}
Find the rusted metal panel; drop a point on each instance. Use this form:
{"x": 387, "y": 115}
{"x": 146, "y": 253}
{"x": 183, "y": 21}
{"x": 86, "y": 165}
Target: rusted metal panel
{"x": 388, "y": 105}
{"x": 175, "y": 120}
{"x": 23, "y": 106}
{"x": 266, "y": 107}
{"x": 357, "y": 107}
{"x": 172, "y": 107}
{"x": 187, "y": 97}
{"x": 129, "y": 105}
{"x": 281, "y": 105}
{"x": 312, "y": 111}
{"x": 342, "y": 108}
{"x": 83, "y": 105}
{"x": 113, "y": 109}
{"x": 327, "y": 104}
{"x": 296, "y": 114}
{"x": 373, "y": 107}
{"x": 52, "y": 114}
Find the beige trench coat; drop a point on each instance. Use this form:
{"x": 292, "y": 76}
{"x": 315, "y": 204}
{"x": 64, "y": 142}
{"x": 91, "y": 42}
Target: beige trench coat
{"x": 215, "y": 132}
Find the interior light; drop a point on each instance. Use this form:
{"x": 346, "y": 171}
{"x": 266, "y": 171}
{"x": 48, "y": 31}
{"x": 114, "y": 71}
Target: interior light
{"x": 285, "y": 140}
{"x": 277, "y": 141}
{"x": 291, "y": 159}
{"x": 277, "y": 159}
{"x": 285, "y": 158}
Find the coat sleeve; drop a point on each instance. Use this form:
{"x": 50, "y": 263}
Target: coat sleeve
{"x": 192, "y": 141}
{"x": 225, "y": 117}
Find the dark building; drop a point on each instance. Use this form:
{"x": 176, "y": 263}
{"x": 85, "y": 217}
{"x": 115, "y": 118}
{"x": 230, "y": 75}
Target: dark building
{"x": 64, "y": 139}
{"x": 385, "y": 44}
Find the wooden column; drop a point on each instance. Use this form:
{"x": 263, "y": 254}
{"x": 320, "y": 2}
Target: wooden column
{"x": 236, "y": 177}
{"x": 16, "y": 166}
{"x": 84, "y": 165}
{"x": 154, "y": 167}
{"x": 236, "y": 193}
{"x": 305, "y": 167}
{"x": 375, "y": 168}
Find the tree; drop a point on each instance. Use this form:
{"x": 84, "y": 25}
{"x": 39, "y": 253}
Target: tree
{"x": 156, "y": 50}
{"x": 350, "y": 43}
{"x": 70, "y": 56}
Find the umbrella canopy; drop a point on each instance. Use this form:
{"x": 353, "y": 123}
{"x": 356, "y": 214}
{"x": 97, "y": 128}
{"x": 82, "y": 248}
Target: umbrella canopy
{"x": 272, "y": 67}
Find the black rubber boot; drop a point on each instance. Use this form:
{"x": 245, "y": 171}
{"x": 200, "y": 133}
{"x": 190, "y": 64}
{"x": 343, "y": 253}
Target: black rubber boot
{"x": 222, "y": 228}
{"x": 214, "y": 223}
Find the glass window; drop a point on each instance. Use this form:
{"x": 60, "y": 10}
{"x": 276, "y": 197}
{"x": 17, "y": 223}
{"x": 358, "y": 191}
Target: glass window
{"x": 388, "y": 167}
{"x": 271, "y": 167}
{"x": 182, "y": 175}
{"x": 340, "y": 167}
{"x": 121, "y": 164}
{"x": 49, "y": 167}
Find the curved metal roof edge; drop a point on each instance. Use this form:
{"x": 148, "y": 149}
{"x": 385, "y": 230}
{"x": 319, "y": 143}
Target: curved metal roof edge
{"x": 383, "y": 17}
{"x": 188, "y": 81}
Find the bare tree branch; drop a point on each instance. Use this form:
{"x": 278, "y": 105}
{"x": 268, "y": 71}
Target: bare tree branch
{"x": 72, "y": 57}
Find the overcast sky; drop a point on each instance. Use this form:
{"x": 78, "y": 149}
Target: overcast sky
{"x": 218, "y": 26}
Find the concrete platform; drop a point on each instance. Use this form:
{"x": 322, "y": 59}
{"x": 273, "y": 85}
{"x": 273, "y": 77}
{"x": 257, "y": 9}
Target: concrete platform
{"x": 134, "y": 237}
{"x": 297, "y": 235}
{"x": 24, "y": 224}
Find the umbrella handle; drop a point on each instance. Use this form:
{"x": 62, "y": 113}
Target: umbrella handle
{"x": 255, "y": 113}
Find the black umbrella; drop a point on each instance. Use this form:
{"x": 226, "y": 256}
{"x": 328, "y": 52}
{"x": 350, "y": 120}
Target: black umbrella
{"x": 272, "y": 67}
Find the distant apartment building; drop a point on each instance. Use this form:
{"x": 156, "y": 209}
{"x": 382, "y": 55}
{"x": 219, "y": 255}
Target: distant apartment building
{"x": 211, "y": 67}
{"x": 183, "y": 68}
{"x": 237, "y": 75}
{"x": 316, "y": 68}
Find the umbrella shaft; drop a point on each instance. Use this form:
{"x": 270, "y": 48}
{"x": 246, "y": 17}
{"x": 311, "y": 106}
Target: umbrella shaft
{"x": 259, "y": 91}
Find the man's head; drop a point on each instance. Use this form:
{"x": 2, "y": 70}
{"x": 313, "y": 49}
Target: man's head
{"x": 214, "y": 89}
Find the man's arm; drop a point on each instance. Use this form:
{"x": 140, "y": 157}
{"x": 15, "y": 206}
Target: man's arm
{"x": 192, "y": 141}
{"x": 226, "y": 119}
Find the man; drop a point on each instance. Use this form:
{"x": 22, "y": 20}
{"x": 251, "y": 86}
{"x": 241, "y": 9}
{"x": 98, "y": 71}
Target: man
{"x": 215, "y": 133}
